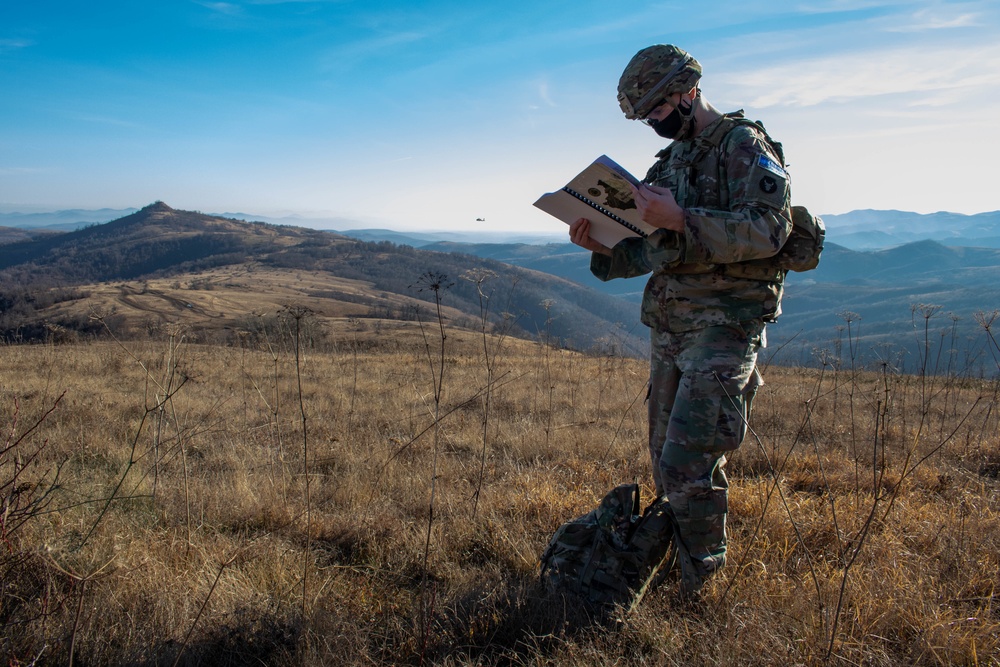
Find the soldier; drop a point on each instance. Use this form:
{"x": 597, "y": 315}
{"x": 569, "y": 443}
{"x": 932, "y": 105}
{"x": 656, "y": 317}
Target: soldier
{"x": 719, "y": 197}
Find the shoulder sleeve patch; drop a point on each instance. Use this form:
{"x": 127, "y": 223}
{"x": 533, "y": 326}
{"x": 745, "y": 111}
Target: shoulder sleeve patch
{"x": 767, "y": 183}
{"x": 770, "y": 165}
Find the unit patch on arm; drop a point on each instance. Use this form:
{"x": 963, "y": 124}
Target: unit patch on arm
{"x": 768, "y": 182}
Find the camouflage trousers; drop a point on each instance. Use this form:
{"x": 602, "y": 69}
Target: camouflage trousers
{"x": 702, "y": 385}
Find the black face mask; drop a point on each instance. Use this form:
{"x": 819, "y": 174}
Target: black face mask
{"x": 676, "y": 125}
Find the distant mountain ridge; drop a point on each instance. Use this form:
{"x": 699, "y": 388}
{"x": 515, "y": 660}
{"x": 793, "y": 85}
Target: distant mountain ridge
{"x": 65, "y": 220}
{"x": 871, "y": 229}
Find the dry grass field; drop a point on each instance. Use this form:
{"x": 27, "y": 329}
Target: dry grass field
{"x": 383, "y": 499}
{"x": 215, "y": 304}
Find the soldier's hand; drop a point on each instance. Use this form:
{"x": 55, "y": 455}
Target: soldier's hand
{"x": 579, "y": 233}
{"x": 658, "y": 208}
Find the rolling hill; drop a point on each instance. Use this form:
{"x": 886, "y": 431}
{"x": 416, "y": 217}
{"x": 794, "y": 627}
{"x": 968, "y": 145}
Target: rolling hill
{"x": 159, "y": 265}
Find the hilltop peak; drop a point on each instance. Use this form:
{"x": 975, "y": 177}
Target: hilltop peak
{"x": 156, "y": 207}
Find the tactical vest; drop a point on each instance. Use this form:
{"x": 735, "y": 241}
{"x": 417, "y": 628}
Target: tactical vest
{"x": 682, "y": 171}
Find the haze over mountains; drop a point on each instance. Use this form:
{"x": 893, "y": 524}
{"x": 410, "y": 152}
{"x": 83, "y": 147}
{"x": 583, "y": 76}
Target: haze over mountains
{"x": 871, "y": 230}
{"x": 72, "y": 219}
{"x": 871, "y": 303}
{"x": 857, "y": 230}
{"x": 64, "y": 220}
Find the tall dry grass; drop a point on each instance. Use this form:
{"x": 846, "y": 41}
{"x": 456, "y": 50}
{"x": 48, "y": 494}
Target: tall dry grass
{"x": 166, "y": 518}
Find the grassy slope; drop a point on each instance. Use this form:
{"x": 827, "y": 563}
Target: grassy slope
{"x": 209, "y": 548}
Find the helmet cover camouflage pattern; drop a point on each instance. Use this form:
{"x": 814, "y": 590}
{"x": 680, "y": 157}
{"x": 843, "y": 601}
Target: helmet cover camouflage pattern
{"x": 654, "y": 74}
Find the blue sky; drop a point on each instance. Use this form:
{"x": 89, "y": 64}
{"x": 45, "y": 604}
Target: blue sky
{"x": 431, "y": 114}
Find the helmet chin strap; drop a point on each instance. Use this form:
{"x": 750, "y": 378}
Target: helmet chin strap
{"x": 687, "y": 128}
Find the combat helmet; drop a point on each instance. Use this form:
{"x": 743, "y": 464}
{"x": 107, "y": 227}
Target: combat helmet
{"x": 654, "y": 74}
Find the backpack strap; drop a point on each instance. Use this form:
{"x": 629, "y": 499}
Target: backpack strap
{"x": 730, "y": 121}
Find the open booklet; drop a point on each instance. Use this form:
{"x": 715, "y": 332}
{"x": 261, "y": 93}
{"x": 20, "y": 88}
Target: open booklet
{"x": 601, "y": 194}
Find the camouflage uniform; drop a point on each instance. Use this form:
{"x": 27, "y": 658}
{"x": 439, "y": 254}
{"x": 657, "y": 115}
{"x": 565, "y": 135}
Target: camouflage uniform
{"x": 711, "y": 292}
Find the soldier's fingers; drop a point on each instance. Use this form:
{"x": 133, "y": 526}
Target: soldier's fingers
{"x": 579, "y": 231}
{"x": 661, "y": 193}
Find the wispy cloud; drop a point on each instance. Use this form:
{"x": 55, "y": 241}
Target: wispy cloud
{"x": 544, "y": 94}
{"x": 8, "y": 45}
{"x": 108, "y": 120}
{"x": 926, "y": 20}
{"x": 21, "y": 171}
{"x": 349, "y": 54}
{"x": 833, "y": 6}
{"x": 227, "y": 8}
{"x": 289, "y": 2}
{"x": 929, "y": 75}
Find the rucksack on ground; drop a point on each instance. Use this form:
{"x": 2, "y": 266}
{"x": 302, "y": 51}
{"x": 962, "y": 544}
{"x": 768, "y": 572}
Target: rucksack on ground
{"x": 614, "y": 554}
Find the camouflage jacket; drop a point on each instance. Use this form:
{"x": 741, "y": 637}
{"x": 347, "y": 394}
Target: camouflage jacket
{"x": 732, "y": 184}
